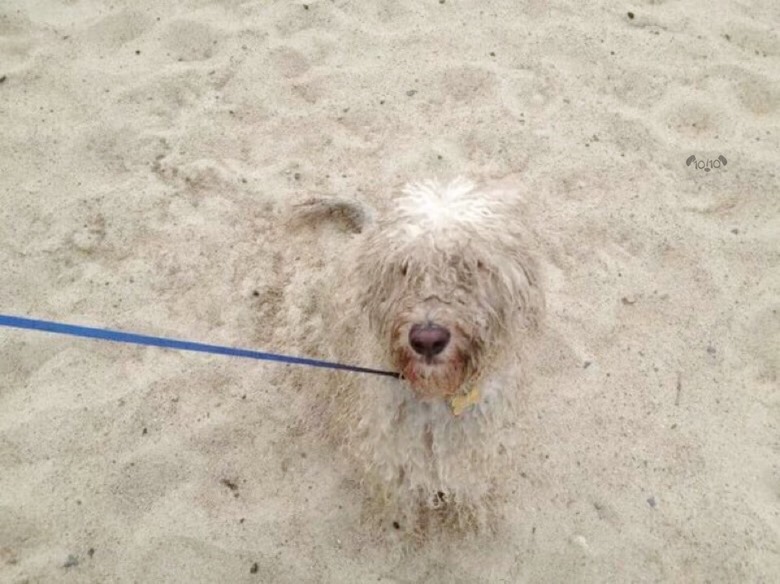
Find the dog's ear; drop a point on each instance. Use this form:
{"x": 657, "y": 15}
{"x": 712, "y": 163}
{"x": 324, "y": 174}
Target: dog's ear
{"x": 351, "y": 215}
{"x": 523, "y": 279}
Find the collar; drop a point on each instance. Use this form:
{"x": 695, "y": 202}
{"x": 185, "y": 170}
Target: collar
{"x": 460, "y": 403}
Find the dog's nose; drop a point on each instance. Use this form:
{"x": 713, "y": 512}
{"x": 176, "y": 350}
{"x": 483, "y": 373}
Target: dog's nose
{"x": 428, "y": 340}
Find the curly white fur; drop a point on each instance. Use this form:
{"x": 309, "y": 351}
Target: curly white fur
{"x": 455, "y": 255}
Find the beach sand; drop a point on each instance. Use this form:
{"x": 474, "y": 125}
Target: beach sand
{"x": 149, "y": 153}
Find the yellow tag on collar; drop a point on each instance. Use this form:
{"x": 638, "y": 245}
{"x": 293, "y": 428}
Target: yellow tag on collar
{"x": 460, "y": 403}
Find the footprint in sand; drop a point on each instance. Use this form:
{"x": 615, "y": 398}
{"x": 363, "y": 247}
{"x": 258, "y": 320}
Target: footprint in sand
{"x": 115, "y": 30}
{"x": 187, "y": 40}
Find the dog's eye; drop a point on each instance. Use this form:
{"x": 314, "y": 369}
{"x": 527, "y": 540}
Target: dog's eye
{"x": 480, "y": 265}
{"x": 404, "y": 269}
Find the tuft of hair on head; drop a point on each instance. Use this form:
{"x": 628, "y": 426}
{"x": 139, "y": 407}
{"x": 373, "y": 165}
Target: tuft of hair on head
{"x": 434, "y": 204}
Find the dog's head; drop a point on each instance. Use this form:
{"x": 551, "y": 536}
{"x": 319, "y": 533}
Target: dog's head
{"x": 447, "y": 284}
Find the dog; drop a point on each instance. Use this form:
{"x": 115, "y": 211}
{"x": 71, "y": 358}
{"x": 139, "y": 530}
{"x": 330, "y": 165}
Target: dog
{"x": 444, "y": 289}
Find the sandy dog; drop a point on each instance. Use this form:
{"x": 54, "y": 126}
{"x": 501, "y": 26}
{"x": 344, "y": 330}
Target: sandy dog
{"x": 443, "y": 289}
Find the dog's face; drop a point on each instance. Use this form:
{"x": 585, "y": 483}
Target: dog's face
{"x": 443, "y": 320}
{"x": 443, "y": 297}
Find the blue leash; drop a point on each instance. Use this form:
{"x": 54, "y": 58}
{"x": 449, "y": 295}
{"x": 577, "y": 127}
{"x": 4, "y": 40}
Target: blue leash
{"x": 135, "y": 339}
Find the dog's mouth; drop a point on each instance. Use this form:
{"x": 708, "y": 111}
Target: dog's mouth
{"x": 428, "y": 362}
{"x": 433, "y": 377}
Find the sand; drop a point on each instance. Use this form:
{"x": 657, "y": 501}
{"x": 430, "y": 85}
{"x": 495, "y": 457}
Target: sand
{"x": 149, "y": 152}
